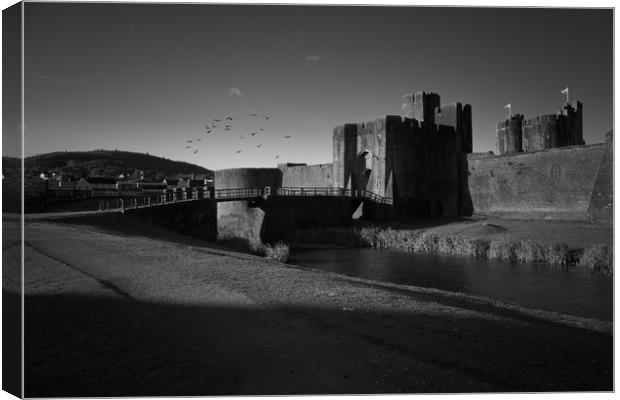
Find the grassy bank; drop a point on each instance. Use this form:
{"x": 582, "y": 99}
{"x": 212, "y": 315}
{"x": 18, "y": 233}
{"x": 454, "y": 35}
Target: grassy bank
{"x": 596, "y": 257}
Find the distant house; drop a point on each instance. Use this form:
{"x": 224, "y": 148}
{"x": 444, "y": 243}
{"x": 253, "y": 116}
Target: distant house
{"x": 61, "y": 185}
{"x": 66, "y": 180}
{"x": 175, "y": 183}
{"x": 96, "y": 186}
{"x": 129, "y": 188}
{"x": 153, "y": 187}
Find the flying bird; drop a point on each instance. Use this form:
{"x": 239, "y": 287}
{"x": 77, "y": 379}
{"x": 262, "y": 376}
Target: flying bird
{"x": 286, "y": 137}
{"x": 188, "y": 147}
{"x": 259, "y": 145}
{"x": 213, "y": 125}
{"x": 208, "y": 131}
{"x": 253, "y": 133}
{"x": 252, "y": 114}
{"x": 189, "y": 141}
{"x": 195, "y": 151}
{"x": 238, "y": 151}
{"x": 261, "y": 129}
{"x": 266, "y": 117}
{"x": 216, "y": 120}
{"x": 228, "y": 118}
{"x": 277, "y": 157}
{"x": 200, "y": 140}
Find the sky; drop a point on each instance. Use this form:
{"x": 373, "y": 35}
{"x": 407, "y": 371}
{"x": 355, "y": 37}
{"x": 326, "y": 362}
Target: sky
{"x": 148, "y": 77}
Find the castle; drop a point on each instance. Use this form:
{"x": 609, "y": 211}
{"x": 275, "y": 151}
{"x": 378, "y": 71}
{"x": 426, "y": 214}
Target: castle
{"x": 415, "y": 159}
{"x": 422, "y": 161}
{"x": 516, "y": 134}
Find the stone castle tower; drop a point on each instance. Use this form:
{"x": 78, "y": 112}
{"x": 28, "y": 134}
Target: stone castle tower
{"x": 417, "y": 158}
{"x": 547, "y": 131}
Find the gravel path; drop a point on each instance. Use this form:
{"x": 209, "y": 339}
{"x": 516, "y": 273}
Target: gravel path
{"x": 111, "y": 315}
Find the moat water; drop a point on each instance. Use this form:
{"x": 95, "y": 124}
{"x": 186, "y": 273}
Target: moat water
{"x": 533, "y": 286}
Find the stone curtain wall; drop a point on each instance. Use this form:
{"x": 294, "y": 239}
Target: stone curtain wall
{"x": 320, "y": 175}
{"x": 602, "y": 201}
{"x": 236, "y": 178}
{"x": 555, "y": 183}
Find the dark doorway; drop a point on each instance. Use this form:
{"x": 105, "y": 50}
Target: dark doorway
{"x": 364, "y": 169}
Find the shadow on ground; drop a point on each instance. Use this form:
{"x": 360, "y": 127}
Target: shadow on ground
{"x": 82, "y": 346}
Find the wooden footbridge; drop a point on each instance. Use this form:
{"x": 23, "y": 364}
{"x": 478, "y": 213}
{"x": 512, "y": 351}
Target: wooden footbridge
{"x": 236, "y": 194}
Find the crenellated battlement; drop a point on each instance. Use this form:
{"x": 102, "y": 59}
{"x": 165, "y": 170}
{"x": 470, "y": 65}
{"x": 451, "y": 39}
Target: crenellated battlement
{"x": 547, "y": 131}
{"x": 413, "y": 158}
{"x": 421, "y": 106}
{"x": 422, "y": 161}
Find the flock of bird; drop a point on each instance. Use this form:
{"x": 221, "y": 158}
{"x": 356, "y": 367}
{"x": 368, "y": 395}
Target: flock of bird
{"x": 216, "y": 124}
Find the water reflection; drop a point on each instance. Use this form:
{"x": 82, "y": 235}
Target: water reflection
{"x": 529, "y": 285}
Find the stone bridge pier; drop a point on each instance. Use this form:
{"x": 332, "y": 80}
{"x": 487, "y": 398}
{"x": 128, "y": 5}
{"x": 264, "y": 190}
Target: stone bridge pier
{"x": 248, "y": 224}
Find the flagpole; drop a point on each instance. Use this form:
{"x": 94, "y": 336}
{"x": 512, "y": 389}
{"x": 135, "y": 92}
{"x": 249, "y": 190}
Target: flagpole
{"x": 509, "y": 107}
{"x": 567, "y": 96}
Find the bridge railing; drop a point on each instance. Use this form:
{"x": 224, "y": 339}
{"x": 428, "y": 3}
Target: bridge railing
{"x": 328, "y": 191}
{"x": 242, "y": 193}
{"x": 168, "y": 197}
{"x": 313, "y": 191}
{"x": 364, "y": 194}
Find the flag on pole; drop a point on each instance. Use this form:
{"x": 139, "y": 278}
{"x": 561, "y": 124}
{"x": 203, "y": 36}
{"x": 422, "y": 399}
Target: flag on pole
{"x": 509, "y": 107}
{"x": 565, "y": 91}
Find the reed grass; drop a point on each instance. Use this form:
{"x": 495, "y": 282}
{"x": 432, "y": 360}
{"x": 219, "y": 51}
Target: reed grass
{"x": 278, "y": 251}
{"x": 597, "y": 258}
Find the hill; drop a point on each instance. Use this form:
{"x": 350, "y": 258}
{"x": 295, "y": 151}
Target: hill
{"x": 101, "y": 163}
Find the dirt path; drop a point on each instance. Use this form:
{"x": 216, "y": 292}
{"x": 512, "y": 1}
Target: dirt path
{"x": 108, "y": 315}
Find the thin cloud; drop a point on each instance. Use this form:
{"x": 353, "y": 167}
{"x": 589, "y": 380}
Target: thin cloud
{"x": 294, "y": 38}
{"x": 313, "y": 58}
{"x": 235, "y": 92}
